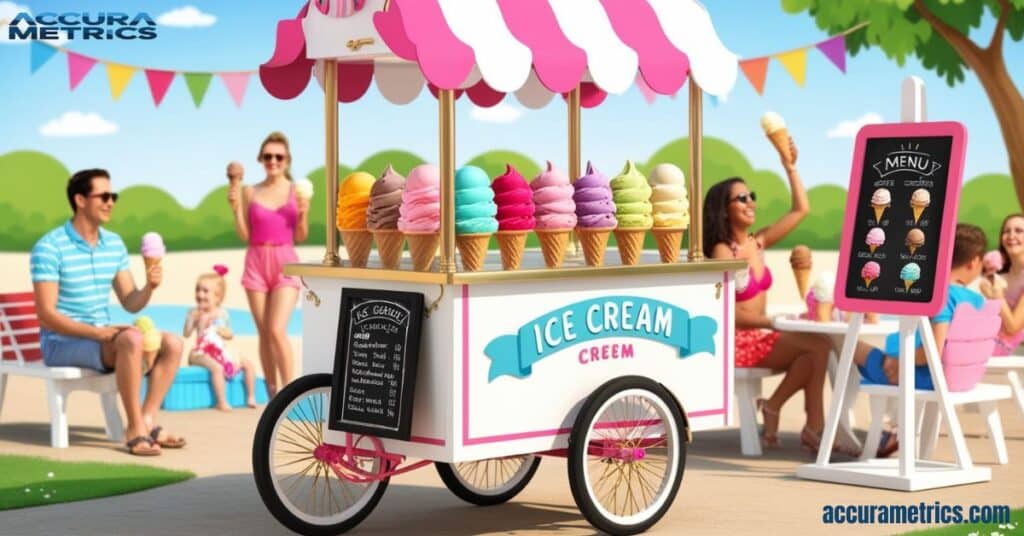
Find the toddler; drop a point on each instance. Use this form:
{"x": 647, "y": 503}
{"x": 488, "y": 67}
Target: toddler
{"x": 210, "y": 323}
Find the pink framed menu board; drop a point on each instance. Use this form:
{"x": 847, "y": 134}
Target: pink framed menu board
{"x": 897, "y": 241}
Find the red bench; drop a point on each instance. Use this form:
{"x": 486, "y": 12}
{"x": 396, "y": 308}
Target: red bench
{"x": 20, "y": 355}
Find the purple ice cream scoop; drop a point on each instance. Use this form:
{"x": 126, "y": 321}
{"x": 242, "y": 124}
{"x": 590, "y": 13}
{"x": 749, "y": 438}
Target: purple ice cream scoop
{"x": 594, "y": 206}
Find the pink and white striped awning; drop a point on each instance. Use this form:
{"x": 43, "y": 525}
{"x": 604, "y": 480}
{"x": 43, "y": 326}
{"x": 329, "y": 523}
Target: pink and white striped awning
{"x": 534, "y": 49}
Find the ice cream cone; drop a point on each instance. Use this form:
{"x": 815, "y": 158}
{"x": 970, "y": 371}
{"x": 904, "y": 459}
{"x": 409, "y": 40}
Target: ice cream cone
{"x": 357, "y": 243}
{"x": 631, "y": 243}
{"x": 151, "y": 262}
{"x": 670, "y": 241}
{"x": 907, "y": 283}
{"x": 594, "y": 242}
{"x": 780, "y": 139}
{"x": 552, "y": 245}
{"x": 803, "y": 280}
{"x": 389, "y": 247}
{"x": 512, "y": 244}
{"x": 473, "y": 250}
{"x": 824, "y": 312}
{"x": 867, "y": 281}
{"x": 912, "y": 249}
{"x": 423, "y": 249}
{"x": 917, "y": 213}
{"x": 872, "y": 248}
{"x": 879, "y": 210}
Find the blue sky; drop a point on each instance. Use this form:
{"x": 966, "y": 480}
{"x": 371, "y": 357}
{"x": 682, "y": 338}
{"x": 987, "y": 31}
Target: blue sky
{"x": 184, "y": 150}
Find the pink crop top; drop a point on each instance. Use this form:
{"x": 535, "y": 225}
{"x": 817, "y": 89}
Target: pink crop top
{"x": 273, "y": 227}
{"x": 755, "y": 286}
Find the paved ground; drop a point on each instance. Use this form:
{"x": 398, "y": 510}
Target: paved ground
{"x": 722, "y": 492}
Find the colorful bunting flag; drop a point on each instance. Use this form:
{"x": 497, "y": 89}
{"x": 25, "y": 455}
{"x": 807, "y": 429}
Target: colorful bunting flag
{"x": 159, "y": 82}
{"x": 78, "y": 67}
{"x": 119, "y": 76}
{"x": 197, "y": 84}
{"x": 236, "y": 84}
{"x": 835, "y": 50}
{"x": 795, "y": 63}
{"x": 756, "y": 70}
{"x": 40, "y": 55}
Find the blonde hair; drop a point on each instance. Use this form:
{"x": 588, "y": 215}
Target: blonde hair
{"x": 219, "y": 284}
{"x": 278, "y": 137}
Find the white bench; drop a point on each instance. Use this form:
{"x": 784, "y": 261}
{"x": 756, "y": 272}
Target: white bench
{"x": 20, "y": 355}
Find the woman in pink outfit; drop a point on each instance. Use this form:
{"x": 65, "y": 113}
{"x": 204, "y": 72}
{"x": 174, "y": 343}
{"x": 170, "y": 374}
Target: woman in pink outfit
{"x": 270, "y": 218}
{"x": 1011, "y": 246}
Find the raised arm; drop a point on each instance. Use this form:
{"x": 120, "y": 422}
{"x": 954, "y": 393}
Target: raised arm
{"x": 775, "y": 232}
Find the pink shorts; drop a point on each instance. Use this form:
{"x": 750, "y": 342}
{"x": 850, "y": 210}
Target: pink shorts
{"x": 264, "y": 267}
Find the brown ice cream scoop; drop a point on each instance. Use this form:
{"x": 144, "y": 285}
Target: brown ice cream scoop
{"x": 800, "y": 258}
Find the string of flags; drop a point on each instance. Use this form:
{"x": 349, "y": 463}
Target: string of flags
{"x": 159, "y": 81}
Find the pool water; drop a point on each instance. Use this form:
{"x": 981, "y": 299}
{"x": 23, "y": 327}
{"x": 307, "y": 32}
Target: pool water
{"x": 171, "y": 318}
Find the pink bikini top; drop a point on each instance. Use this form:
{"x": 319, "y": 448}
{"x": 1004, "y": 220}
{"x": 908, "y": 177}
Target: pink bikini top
{"x": 755, "y": 286}
{"x": 273, "y": 227}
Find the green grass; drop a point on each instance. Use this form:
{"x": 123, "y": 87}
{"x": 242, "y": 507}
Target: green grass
{"x": 25, "y": 481}
{"x": 1016, "y": 520}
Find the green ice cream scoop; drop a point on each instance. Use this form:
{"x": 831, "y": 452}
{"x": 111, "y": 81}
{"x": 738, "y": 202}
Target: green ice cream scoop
{"x": 632, "y": 194}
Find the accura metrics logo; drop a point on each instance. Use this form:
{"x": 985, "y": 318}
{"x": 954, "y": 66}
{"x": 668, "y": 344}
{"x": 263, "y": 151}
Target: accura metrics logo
{"x": 51, "y": 26}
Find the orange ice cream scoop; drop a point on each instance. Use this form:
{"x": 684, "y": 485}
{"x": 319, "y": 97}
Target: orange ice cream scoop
{"x": 353, "y": 198}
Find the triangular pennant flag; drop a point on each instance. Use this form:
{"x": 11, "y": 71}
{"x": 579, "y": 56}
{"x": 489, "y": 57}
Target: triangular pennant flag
{"x": 119, "y": 76}
{"x": 236, "y": 84}
{"x": 835, "y": 50}
{"x": 159, "y": 81}
{"x": 78, "y": 67}
{"x": 756, "y": 70}
{"x": 795, "y": 62}
{"x": 197, "y": 84}
{"x": 41, "y": 54}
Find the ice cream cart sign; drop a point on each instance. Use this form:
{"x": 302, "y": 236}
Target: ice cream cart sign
{"x": 581, "y": 322}
{"x": 900, "y": 218}
{"x": 375, "y": 362}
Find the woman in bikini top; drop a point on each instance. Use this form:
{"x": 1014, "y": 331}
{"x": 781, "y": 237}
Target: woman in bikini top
{"x": 729, "y": 212}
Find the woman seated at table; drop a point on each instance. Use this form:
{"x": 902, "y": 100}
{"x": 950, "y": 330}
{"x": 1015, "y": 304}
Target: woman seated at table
{"x": 729, "y": 212}
{"x": 1011, "y": 247}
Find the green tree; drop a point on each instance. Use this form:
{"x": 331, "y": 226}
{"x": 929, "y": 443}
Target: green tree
{"x": 937, "y": 32}
{"x": 985, "y": 200}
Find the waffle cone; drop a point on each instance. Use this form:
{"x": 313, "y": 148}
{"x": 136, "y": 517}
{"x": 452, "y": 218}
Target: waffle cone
{"x": 824, "y": 312}
{"x": 423, "y": 249}
{"x": 872, "y": 248}
{"x": 803, "y": 280}
{"x": 780, "y": 139}
{"x": 389, "y": 247}
{"x": 473, "y": 250}
{"x": 912, "y": 249}
{"x": 879, "y": 210}
{"x": 594, "y": 242}
{"x": 907, "y": 283}
{"x": 552, "y": 245}
{"x": 917, "y": 213}
{"x": 357, "y": 244}
{"x": 151, "y": 262}
{"x": 670, "y": 241}
{"x": 631, "y": 243}
{"x": 867, "y": 281}
{"x": 512, "y": 244}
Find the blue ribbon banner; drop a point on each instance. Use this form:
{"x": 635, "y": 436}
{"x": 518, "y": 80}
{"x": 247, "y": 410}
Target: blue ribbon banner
{"x": 614, "y": 316}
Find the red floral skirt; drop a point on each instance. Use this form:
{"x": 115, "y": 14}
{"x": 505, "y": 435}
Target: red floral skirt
{"x": 753, "y": 345}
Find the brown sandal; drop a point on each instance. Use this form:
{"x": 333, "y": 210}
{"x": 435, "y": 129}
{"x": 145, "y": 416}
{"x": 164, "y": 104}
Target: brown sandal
{"x": 168, "y": 443}
{"x": 138, "y": 440}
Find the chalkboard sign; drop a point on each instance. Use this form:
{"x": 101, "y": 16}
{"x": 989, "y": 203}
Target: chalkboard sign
{"x": 897, "y": 240}
{"x": 375, "y": 362}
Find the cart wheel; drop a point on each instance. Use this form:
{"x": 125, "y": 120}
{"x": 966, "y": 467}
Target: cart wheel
{"x": 626, "y": 455}
{"x": 489, "y": 482}
{"x": 300, "y": 489}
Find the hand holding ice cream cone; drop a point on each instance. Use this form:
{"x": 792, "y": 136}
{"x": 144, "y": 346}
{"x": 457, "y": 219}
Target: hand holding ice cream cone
{"x": 153, "y": 251}
{"x": 775, "y": 128}
{"x": 303, "y": 194}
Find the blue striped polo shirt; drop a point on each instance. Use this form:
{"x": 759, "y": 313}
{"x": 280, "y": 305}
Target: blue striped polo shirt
{"x": 84, "y": 273}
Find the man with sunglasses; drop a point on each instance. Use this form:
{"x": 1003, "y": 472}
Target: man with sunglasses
{"x": 73, "y": 269}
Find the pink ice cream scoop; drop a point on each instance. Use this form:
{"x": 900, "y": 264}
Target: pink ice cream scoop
{"x": 421, "y": 201}
{"x": 871, "y": 270}
{"x": 875, "y": 238}
{"x": 992, "y": 262}
{"x": 153, "y": 246}
{"x": 552, "y": 195}
{"x": 515, "y": 201}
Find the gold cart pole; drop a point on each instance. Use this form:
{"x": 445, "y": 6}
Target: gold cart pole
{"x": 446, "y": 124}
{"x": 696, "y": 250}
{"x": 575, "y": 142}
{"x": 331, "y": 159}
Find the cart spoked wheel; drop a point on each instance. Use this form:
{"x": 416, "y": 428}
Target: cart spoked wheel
{"x": 489, "y": 482}
{"x": 309, "y": 486}
{"x": 626, "y": 455}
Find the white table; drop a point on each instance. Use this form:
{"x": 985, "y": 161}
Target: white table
{"x": 837, "y": 332}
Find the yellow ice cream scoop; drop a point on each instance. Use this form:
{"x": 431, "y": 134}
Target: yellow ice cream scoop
{"x": 151, "y": 336}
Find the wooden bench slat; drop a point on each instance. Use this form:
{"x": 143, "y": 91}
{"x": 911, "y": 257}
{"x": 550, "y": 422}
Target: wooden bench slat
{"x": 16, "y": 297}
{"x": 16, "y": 310}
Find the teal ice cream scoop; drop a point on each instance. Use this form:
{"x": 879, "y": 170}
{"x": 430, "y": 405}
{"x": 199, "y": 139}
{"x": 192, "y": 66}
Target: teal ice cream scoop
{"x": 475, "y": 209}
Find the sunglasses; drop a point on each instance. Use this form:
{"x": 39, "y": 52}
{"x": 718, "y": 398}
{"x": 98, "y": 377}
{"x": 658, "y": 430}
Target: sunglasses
{"x": 267, "y": 157}
{"x": 106, "y": 197}
{"x": 744, "y": 198}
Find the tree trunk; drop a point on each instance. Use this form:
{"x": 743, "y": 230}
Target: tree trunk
{"x": 1009, "y": 108}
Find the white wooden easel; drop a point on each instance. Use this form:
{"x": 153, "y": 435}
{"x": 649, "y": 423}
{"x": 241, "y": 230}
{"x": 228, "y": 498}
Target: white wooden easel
{"x": 906, "y": 473}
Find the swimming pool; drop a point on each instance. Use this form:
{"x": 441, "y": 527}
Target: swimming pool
{"x": 171, "y": 318}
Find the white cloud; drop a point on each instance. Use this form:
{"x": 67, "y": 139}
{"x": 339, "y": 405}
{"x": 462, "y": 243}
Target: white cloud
{"x": 186, "y": 17}
{"x": 499, "y": 113}
{"x": 75, "y": 124}
{"x": 848, "y": 128}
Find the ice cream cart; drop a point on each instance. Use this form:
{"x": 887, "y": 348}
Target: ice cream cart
{"x": 482, "y": 373}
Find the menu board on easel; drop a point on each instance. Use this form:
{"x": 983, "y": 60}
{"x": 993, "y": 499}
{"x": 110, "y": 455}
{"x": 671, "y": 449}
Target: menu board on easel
{"x": 897, "y": 239}
{"x": 375, "y": 362}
